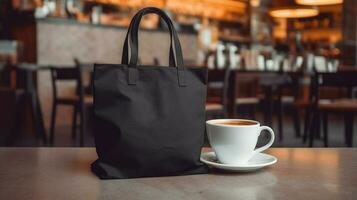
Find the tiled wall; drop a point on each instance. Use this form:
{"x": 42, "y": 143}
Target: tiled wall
{"x": 59, "y": 43}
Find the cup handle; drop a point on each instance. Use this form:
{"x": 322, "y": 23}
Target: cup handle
{"x": 271, "y": 141}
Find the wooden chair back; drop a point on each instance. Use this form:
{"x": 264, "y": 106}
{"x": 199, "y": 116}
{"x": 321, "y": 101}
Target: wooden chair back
{"x": 67, "y": 74}
{"x": 342, "y": 80}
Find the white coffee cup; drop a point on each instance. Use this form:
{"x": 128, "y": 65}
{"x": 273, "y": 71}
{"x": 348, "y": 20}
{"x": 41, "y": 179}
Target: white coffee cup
{"x": 234, "y": 140}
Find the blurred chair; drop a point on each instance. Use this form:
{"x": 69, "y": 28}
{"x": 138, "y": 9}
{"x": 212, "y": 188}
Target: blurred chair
{"x": 246, "y": 98}
{"x": 272, "y": 85}
{"x": 87, "y": 77}
{"x": 87, "y": 71}
{"x": 217, "y": 88}
{"x": 292, "y": 95}
{"x": 79, "y": 101}
{"x": 321, "y": 108}
{"x": 315, "y": 64}
{"x": 292, "y": 98}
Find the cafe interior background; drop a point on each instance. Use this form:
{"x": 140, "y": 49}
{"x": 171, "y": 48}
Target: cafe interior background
{"x": 266, "y": 58}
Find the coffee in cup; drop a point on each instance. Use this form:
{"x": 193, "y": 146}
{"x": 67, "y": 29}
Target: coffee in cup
{"x": 234, "y": 140}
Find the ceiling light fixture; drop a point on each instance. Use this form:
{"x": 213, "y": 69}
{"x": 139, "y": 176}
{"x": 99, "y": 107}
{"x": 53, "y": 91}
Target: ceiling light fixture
{"x": 318, "y": 2}
{"x": 294, "y": 12}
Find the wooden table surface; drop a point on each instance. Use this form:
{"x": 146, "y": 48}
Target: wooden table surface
{"x": 63, "y": 173}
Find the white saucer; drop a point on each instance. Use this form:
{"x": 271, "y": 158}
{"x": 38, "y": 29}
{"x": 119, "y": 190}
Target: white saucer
{"x": 258, "y": 161}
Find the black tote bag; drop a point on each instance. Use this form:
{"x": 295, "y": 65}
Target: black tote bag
{"x": 149, "y": 120}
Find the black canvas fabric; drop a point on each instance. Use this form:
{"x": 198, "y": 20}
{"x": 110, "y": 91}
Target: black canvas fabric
{"x": 149, "y": 120}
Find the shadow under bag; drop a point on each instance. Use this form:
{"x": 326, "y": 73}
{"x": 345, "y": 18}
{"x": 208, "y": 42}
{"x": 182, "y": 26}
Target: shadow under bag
{"x": 149, "y": 120}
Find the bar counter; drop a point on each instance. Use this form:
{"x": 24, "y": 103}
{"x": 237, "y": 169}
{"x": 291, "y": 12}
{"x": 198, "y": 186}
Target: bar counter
{"x": 60, "y": 40}
{"x": 64, "y": 173}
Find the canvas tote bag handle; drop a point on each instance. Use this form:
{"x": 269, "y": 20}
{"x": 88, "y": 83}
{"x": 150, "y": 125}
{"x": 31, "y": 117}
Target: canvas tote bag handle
{"x": 173, "y": 33}
{"x": 125, "y": 55}
{"x": 133, "y": 42}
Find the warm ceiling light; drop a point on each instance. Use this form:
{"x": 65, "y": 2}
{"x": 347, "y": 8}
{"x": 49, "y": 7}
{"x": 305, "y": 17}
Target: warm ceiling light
{"x": 294, "y": 12}
{"x": 318, "y": 2}
{"x": 255, "y": 3}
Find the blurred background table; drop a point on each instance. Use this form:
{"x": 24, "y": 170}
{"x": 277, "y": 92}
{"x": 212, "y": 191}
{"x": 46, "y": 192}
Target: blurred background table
{"x": 22, "y": 78}
{"x": 64, "y": 173}
{"x": 29, "y": 75}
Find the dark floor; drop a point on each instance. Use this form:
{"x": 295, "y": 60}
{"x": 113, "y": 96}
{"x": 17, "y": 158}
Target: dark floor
{"x": 336, "y": 136}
